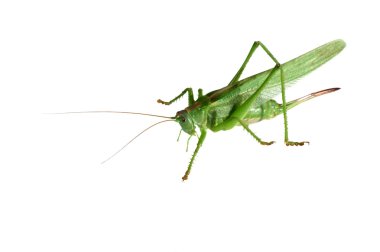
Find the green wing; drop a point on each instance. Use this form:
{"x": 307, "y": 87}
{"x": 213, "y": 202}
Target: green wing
{"x": 293, "y": 70}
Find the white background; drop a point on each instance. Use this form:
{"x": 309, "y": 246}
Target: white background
{"x": 117, "y": 55}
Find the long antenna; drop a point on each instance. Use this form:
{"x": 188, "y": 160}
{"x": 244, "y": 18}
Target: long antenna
{"x": 117, "y": 152}
{"x": 109, "y": 111}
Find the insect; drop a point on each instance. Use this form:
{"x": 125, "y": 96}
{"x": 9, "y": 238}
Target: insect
{"x": 246, "y": 101}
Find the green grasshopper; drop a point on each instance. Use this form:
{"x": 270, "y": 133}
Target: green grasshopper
{"x": 245, "y": 101}
{"x": 249, "y": 100}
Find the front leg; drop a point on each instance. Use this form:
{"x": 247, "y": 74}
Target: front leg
{"x": 187, "y": 90}
{"x": 199, "y": 144}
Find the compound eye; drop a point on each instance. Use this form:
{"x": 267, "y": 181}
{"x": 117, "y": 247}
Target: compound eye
{"x": 183, "y": 119}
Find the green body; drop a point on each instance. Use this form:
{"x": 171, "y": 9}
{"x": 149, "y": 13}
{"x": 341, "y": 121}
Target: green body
{"x": 218, "y": 105}
{"x": 250, "y": 100}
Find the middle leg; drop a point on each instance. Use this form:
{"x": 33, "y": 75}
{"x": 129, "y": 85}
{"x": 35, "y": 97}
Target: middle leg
{"x": 258, "y": 139}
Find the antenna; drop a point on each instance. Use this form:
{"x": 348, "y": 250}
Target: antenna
{"x": 109, "y": 111}
{"x": 130, "y": 141}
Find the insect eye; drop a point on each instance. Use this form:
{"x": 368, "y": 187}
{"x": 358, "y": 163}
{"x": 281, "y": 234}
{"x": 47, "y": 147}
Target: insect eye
{"x": 183, "y": 119}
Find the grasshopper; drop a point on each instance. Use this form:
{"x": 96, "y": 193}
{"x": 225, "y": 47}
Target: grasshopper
{"x": 249, "y": 100}
{"x": 245, "y": 101}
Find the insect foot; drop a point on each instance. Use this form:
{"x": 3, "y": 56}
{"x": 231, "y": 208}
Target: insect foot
{"x": 162, "y": 102}
{"x": 267, "y": 143}
{"x": 185, "y": 177}
{"x": 290, "y": 143}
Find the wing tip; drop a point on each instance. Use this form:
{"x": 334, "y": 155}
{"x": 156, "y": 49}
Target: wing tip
{"x": 338, "y": 44}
